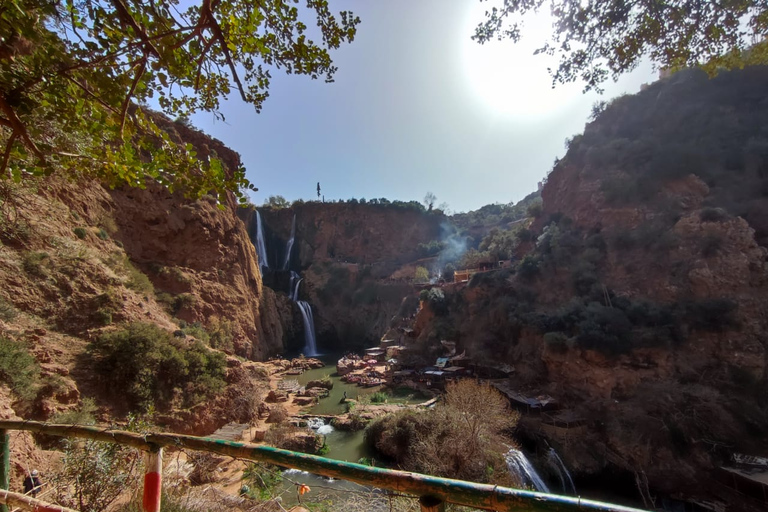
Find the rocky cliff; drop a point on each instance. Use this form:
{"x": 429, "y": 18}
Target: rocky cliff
{"x": 353, "y": 260}
{"x": 638, "y": 300}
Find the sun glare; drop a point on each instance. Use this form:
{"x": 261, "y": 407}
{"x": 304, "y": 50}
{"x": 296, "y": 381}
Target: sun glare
{"x": 508, "y": 78}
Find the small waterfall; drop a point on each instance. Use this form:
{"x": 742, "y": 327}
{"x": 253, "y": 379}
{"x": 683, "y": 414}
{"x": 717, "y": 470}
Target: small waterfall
{"x": 261, "y": 246}
{"x": 293, "y": 287}
{"x": 289, "y": 245}
{"x": 519, "y": 464}
{"x": 565, "y": 476}
{"x": 310, "y": 345}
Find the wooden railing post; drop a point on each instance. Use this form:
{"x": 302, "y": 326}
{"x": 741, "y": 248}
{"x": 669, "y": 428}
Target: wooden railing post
{"x": 5, "y": 464}
{"x": 153, "y": 480}
{"x": 431, "y": 504}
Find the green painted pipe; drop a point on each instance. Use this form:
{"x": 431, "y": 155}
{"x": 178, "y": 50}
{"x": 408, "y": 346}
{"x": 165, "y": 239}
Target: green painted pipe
{"x": 469, "y": 494}
{"x": 5, "y": 464}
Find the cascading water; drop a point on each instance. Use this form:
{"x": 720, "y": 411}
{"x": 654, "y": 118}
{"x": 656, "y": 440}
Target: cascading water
{"x": 565, "y": 476}
{"x": 293, "y": 287}
{"x": 310, "y": 345}
{"x": 289, "y": 245}
{"x": 261, "y": 246}
{"x": 519, "y": 464}
{"x": 319, "y": 426}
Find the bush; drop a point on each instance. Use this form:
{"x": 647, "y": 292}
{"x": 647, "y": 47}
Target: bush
{"x": 535, "y": 210}
{"x": 421, "y": 275}
{"x": 102, "y": 234}
{"x": 18, "y": 369}
{"x": 528, "y": 268}
{"x": 145, "y": 366}
{"x": 711, "y": 244}
{"x": 713, "y": 215}
{"x": 80, "y": 233}
{"x": 82, "y": 415}
{"x": 34, "y": 263}
{"x": 556, "y": 341}
{"x": 457, "y": 439}
{"x": 7, "y": 311}
{"x": 379, "y": 397}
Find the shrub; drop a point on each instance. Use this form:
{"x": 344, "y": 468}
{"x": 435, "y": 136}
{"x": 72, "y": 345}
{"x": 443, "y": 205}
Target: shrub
{"x": 712, "y": 314}
{"x": 33, "y": 263}
{"x": 82, "y": 415}
{"x": 379, "y": 397}
{"x": 711, "y": 244}
{"x": 556, "y": 341}
{"x": 607, "y": 330}
{"x": 535, "y": 210}
{"x": 146, "y": 365}
{"x": 7, "y": 311}
{"x": 137, "y": 280}
{"x": 457, "y": 439}
{"x": 421, "y": 275}
{"x": 102, "y": 234}
{"x": 713, "y": 215}
{"x": 18, "y": 369}
{"x": 80, "y": 233}
{"x": 528, "y": 268}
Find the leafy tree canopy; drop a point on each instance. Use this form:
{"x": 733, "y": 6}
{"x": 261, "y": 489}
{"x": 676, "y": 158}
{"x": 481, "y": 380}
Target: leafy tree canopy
{"x": 595, "y": 39}
{"x": 71, "y": 72}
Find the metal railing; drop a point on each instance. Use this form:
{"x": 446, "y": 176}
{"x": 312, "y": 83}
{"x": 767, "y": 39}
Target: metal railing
{"x": 432, "y": 491}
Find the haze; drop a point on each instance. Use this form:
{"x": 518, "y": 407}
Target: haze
{"x": 417, "y": 106}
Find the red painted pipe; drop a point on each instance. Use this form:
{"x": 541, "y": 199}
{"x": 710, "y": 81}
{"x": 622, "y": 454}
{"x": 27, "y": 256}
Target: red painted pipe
{"x": 153, "y": 480}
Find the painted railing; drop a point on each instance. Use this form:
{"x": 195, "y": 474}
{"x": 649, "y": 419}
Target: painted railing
{"x": 432, "y": 491}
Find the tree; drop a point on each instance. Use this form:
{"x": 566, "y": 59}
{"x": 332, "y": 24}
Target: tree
{"x": 277, "y": 202}
{"x": 598, "y": 38}
{"x": 72, "y": 73}
{"x": 429, "y": 201}
{"x": 421, "y": 275}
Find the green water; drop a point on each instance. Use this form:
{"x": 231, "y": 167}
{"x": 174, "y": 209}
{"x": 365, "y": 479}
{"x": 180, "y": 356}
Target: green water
{"x": 347, "y": 446}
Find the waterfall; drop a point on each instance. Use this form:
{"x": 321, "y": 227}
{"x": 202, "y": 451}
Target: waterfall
{"x": 289, "y": 246}
{"x": 293, "y": 287}
{"x": 565, "y": 476}
{"x": 320, "y": 426}
{"x": 261, "y": 246}
{"x": 519, "y": 464}
{"x": 310, "y": 346}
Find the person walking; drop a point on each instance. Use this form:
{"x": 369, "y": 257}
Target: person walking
{"x": 32, "y": 483}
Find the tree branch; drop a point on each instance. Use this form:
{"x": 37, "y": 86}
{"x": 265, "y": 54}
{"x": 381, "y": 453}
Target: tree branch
{"x": 7, "y": 154}
{"x": 219, "y": 35}
{"x": 127, "y": 100}
{"x": 127, "y": 18}
{"x": 19, "y": 128}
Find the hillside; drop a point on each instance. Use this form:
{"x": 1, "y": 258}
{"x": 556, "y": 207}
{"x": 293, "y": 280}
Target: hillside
{"x": 639, "y": 296}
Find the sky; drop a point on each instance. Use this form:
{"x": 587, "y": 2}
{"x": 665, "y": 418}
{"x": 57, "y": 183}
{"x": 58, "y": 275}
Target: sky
{"x": 416, "y": 107}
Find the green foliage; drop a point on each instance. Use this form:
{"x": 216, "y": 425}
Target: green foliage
{"x": 35, "y": 263}
{"x": 713, "y": 215}
{"x": 277, "y": 202}
{"x": 102, "y": 234}
{"x": 147, "y": 366}
{"x": 71, "y": 75}
{"x": 429, "y": 249}
{"x": 379, "y": 397}
{"x": 421, "y": 275}
{"x": 262, "y": 480}
{"x": 82, "y": 415}
{"x": 80, "y": 233}
{"x": 435, "y": 298}
{"x": 18, "y": 369}
{"x": 598, "y": 40}
{"x": 528, "y": 268}
{"x": 7, "y": 311}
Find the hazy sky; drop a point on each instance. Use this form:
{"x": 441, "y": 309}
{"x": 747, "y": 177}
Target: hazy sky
{"x": 416, "y": 107}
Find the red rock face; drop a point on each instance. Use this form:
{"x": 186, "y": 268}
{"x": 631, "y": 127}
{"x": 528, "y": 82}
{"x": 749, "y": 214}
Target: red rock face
{"x": 211, "y": 248}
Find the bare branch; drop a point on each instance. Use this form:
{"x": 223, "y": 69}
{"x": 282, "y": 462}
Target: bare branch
{"x": 7, "y": 154}
{"x": 127, "y": 100}
{"x": 19, "y": 128}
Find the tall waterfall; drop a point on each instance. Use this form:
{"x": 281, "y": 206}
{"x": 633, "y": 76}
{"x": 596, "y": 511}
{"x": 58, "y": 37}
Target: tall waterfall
{"x": 289, "y": 245}
{"x": 261, "y": 246}
{"x": 519, "y": 464}
{"x": 310, "y": 345}
{"x": 565, "y": 476}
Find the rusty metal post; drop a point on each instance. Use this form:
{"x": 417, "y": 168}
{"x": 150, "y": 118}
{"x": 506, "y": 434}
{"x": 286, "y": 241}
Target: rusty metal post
{"x": 153, "y": 480}
{"x": 431, "y": 504}
{"x": 5, "y": 464}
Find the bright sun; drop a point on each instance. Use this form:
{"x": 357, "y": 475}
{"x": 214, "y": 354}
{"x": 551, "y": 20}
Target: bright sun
{"x": 508, "y": 77}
